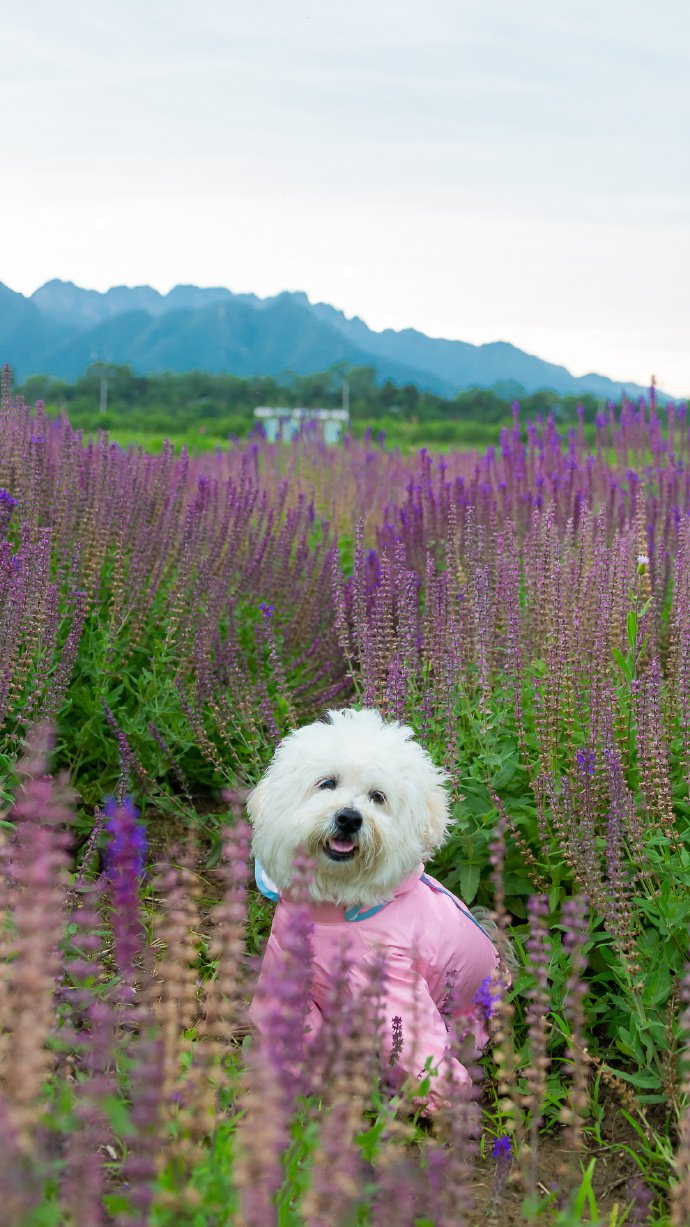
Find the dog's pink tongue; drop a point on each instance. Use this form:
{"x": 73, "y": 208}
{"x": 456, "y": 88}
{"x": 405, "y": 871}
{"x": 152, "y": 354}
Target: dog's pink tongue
{"x": 342, "y": 845}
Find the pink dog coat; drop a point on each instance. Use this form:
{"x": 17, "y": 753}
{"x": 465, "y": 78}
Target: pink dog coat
{"x": 431, "y": 944}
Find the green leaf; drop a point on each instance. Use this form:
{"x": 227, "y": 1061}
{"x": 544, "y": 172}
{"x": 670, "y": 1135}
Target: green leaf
{"x": 505, "y": 774}
{"x": 585, "y": 1194}
{"x": 632, "y": 628}
{"x": 116, "y": 1203}
{"x": 469, "y": 881}
{"x": 646, "y": 1081}
{"x": 657, "y": 985}
{"x": 554, "y": 898}
{"x": 620, "y": 660}
{"x": 49, "y": 1214}
{"x": 628, "y": 1044}
{"x": 116, "y": 1114}
{"x": 477, "y": 802}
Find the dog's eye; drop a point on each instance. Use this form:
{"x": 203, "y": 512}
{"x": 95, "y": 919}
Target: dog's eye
{"x": 377, "y": 797}
{"x": 330, "y": 783}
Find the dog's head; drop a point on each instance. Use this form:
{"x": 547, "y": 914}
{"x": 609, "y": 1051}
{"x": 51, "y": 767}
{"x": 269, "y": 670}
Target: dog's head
{"x": 360, "y": 797}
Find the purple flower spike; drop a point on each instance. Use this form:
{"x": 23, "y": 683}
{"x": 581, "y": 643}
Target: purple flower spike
{"x": 7, "y": 506}
{"x": 267, "y": 610}
{"x": 127, "y": 848}
{"x": 486, "y": 996}
{"x": 502, "y": 1147}
{"x": 125, "y": 859}
{"x": 585, "y": 760}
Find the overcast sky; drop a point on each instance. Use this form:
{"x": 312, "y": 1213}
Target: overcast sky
{"x": 480, "y": 170}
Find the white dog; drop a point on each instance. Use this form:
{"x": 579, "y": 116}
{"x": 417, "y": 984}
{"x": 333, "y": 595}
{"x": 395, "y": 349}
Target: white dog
{"x": 368, "y": 806}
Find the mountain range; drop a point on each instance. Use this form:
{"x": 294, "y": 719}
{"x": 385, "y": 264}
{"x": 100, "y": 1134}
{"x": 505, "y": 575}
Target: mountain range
{"x": 61, "y": 329}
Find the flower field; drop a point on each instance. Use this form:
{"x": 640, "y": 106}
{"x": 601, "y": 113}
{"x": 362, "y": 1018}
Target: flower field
{"x": 164, "y": 620}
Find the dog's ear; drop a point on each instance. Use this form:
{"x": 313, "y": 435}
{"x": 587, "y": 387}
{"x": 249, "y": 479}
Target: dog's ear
{"x": 437, "y": 818}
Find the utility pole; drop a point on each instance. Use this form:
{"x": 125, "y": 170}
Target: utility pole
{"x": 346, "y": 395}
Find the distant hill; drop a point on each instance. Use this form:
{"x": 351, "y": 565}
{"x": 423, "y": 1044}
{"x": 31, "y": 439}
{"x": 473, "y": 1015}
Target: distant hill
{"x": 61, "y": 329}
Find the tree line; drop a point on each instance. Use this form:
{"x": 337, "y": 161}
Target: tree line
{"x": 108, "y": 396}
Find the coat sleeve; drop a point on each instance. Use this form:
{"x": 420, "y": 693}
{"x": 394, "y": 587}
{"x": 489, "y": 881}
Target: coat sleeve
{"x": 421, "y": 1032}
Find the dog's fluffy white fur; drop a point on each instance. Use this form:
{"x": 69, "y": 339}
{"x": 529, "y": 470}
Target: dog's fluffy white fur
{"x": 351, "y": 760}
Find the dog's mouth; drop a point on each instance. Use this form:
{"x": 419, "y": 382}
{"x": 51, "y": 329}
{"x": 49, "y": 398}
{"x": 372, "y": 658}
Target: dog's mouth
{"x": 340, "y": 849}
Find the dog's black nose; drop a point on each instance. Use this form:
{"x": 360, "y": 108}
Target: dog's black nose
{"x": 348, "y": 821}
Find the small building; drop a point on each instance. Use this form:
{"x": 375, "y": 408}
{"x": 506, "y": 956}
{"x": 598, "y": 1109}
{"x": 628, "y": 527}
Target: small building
{"x": 283, "y": 423}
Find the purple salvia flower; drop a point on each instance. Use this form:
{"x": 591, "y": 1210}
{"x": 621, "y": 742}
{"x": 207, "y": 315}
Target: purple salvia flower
{"x": 357, "y": 1037}
{"x": 84, "y": 1180}
{"x": 575, "y": 925}
{"x": 537, "y": 1027}
{"x": 680, "y": 1190}
{"x": 145, "y": 1143}
{"x": 401, "y": 1198}
{"x": 486, "y": 996}
{"x": 35, "y": 867}
{"x": 398, "y": 1039}
{"x": 130, "y": 766}
{"x": 125, "y": 859}
{"x": 502, "y": 1152}
{"x": 225, "y": 995}
{"x": 641, "y": 1200}
{"x": 6, "y": 389}
{"x": 585, "y": 761}
{"x": 277, "y": 1068}
{"x": 7, "y": 506}
{"x": 619, "y": 919}
{"x": 502, "y": 1147}
{"x": 21, "y": 1185}
{"x": 67, "y": 659}
{"x": 285, "y": 998}
{"x": 127, "y": 848}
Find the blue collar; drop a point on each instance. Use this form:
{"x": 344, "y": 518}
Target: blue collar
{"x": 270, "y": 891}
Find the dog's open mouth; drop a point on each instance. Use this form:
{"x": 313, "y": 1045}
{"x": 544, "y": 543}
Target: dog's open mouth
{"x": 340, "y": 849}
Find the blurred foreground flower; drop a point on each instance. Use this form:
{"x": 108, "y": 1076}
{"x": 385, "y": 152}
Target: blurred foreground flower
{"x": 125, "y": 858}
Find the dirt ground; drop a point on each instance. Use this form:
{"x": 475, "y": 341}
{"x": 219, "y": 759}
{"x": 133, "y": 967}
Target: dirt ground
{"x": 615, "y": 1176}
